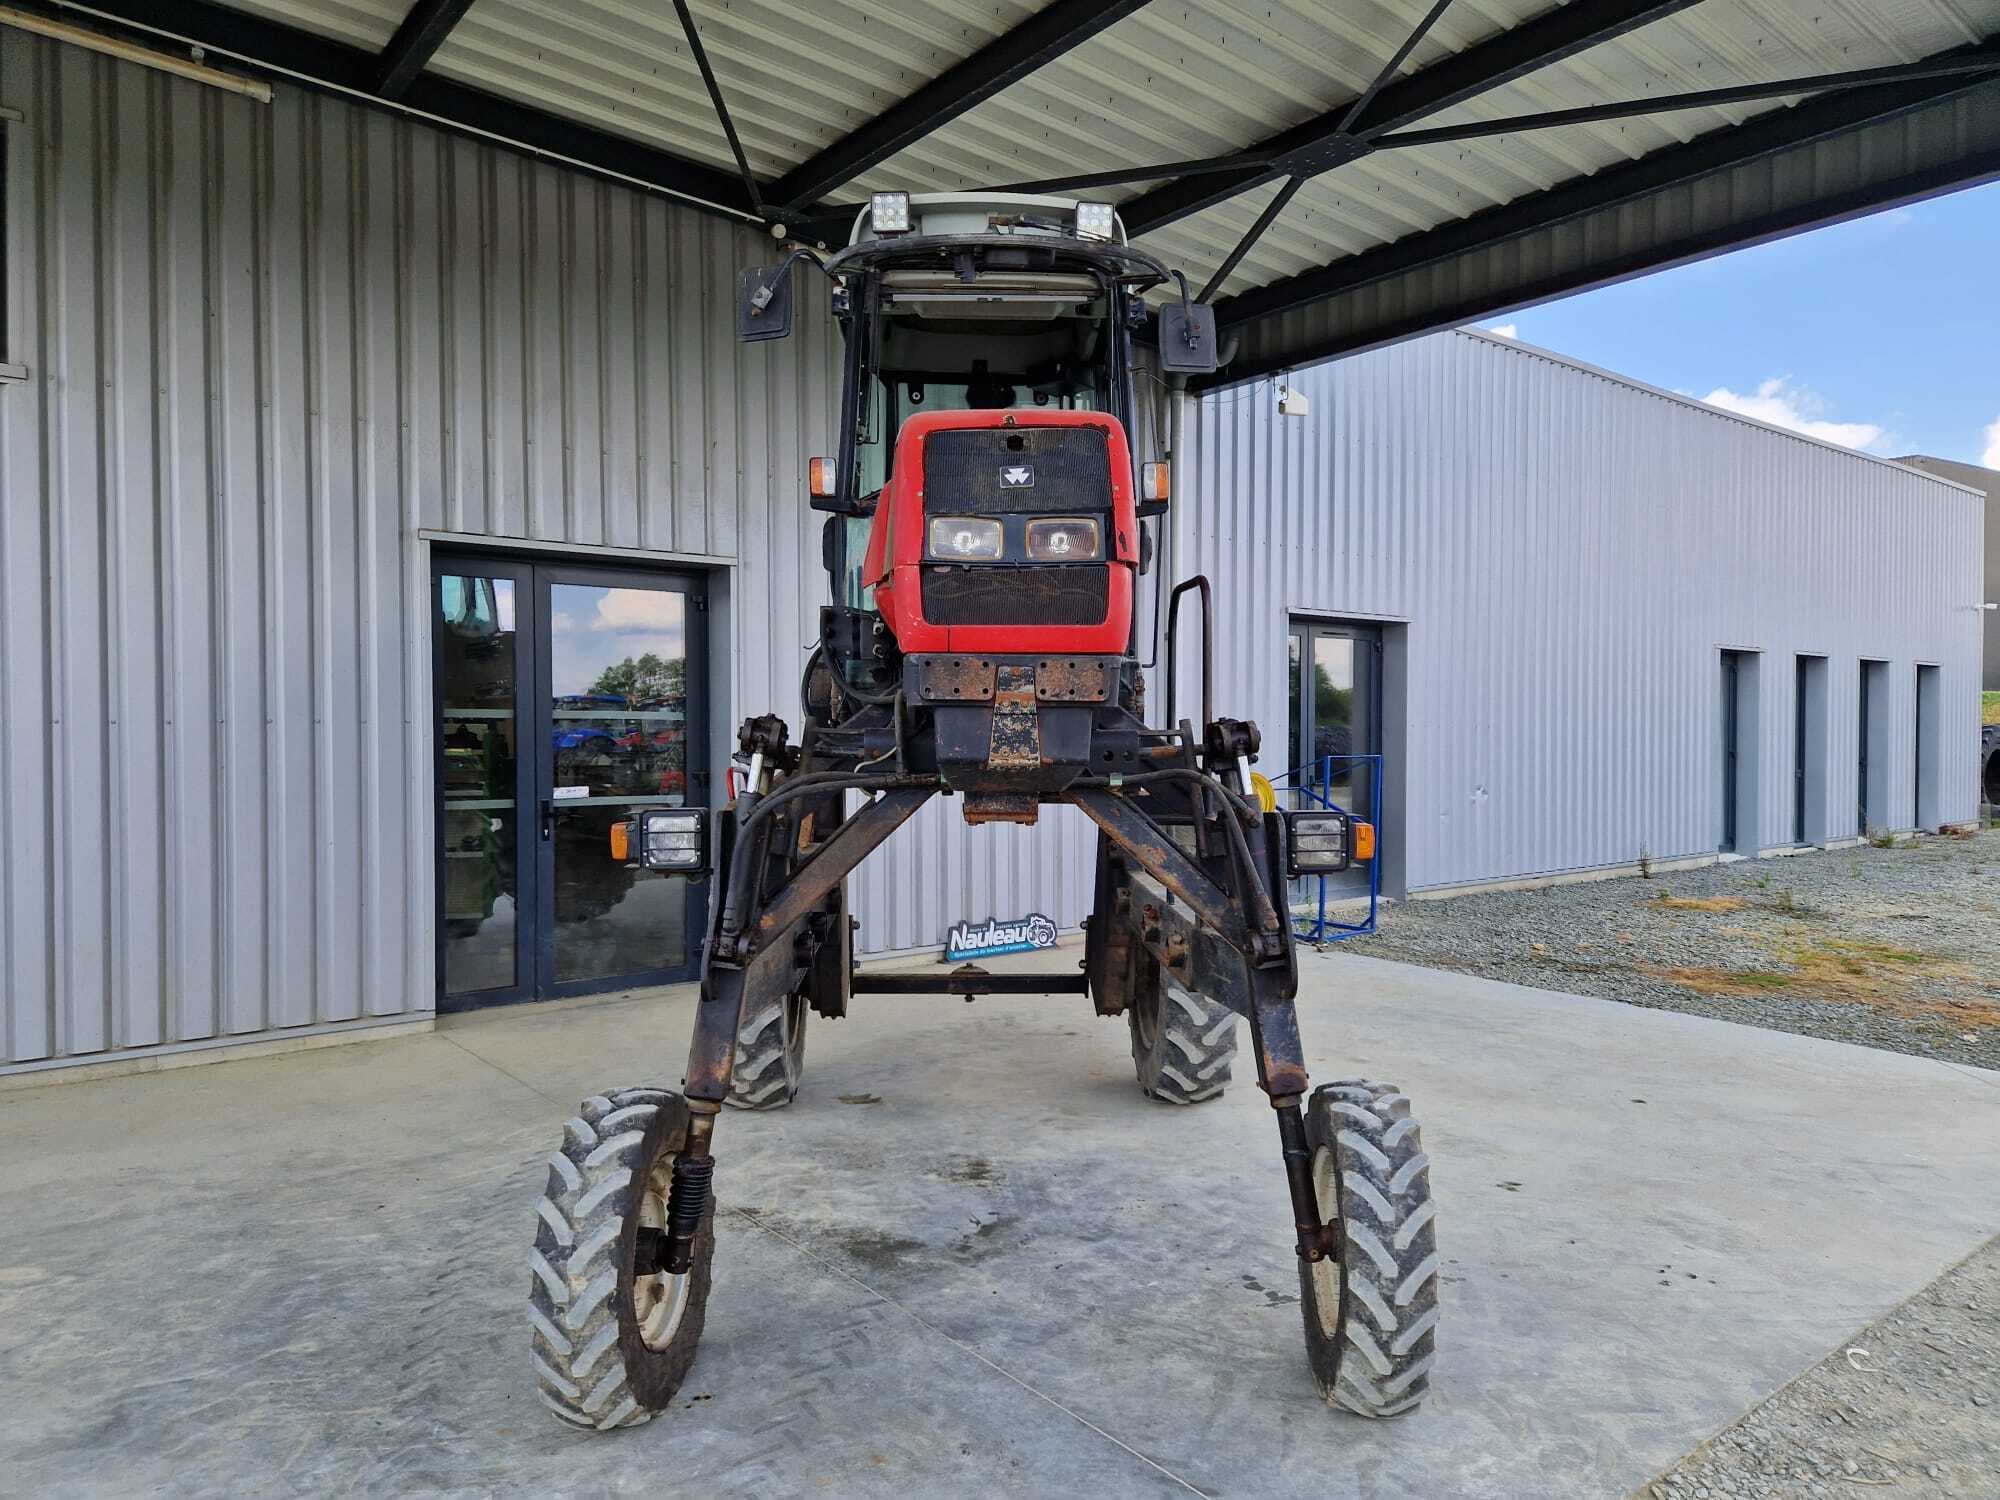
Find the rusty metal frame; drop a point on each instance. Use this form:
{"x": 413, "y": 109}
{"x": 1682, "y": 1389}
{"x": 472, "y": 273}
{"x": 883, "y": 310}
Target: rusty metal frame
{"x": 749, "y": 962}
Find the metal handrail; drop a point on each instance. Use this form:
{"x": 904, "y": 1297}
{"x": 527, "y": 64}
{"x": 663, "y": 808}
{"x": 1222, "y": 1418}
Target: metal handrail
{"x": 1199, "y": 581}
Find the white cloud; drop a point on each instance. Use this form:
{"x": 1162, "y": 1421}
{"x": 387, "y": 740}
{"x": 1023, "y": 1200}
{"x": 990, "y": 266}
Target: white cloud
{"x": 644, "y": 610}
{"x": 1505, "y": 330}
{"x": 1784, "y": 404}
{"x": 1991, "y": 458}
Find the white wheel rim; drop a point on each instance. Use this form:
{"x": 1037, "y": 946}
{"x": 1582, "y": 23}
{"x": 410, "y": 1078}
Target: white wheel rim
{"x": 1326, "y": 1271}
{"x": 659, "y": 1301}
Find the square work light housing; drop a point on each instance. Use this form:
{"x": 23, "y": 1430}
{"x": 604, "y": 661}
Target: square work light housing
{"x": 674, "y": 840}
{"x": 1320, "y": 842}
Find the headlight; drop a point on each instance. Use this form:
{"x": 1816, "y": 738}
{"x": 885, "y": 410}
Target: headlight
{"x": 1318, "y": 843}
{"x": 1068, "y": 540}
{"x": 965, "y": 538}
{"x": 674, "y": 840}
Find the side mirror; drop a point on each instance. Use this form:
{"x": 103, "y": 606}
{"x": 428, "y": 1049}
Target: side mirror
{"x": 764, "y": 303}
{"x": 1187, "y": 339}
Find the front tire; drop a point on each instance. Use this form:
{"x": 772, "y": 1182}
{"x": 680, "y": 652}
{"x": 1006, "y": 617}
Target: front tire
{"x": 1370, "y": 1315}
{"x": 1182, "y": 1043}
{"x": 611, "y": 1347}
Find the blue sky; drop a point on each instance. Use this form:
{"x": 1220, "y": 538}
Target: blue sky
{"x": 1882, "y": 333}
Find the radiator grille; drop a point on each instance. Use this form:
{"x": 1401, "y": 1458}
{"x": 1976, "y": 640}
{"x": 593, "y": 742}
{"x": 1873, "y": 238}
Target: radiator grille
{"x": 1064, "y": 595}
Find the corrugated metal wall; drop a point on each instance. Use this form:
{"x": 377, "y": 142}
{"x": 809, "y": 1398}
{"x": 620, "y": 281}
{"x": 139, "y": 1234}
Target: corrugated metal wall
{"x": 1569, "y": 553}
{"x": 268, "y": 347}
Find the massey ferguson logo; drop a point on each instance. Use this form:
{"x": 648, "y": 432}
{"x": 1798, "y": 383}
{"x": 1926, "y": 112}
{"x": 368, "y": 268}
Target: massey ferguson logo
{"x": 1017, "y": 477}
{"x": 995, "y": 936}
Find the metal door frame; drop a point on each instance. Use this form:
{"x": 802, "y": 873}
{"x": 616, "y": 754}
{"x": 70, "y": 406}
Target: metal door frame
{"x": 534, "y": 948}
{"x": 1732, "y": 728}
{"x": 1799, "y": 674}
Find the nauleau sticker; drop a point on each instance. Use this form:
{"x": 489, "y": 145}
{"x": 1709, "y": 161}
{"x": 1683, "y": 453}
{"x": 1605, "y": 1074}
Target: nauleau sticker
{"x": 993, "y": 937}
{"x": 1017, "y": 477}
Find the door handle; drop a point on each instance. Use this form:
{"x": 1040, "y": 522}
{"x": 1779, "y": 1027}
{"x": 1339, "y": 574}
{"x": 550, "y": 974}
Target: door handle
{"x": 548, "y": 819}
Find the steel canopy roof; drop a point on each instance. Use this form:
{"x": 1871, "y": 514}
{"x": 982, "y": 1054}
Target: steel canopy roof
{"x": 834, "y": 99}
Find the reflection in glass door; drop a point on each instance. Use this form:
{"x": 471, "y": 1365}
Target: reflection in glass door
{"x": 616, "y": 684}
{"x": 566, "y": 698}
{"x": 478, "y": 669}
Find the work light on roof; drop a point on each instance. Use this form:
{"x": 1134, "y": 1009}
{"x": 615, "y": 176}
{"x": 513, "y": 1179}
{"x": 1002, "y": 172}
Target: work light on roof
{"x": 1096, "y": 221}
{"x": 889, "y": 213}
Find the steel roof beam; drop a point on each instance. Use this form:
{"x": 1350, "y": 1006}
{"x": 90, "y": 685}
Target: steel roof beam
{"x": 315, "y": 61}
{"x": 1040, "y": 39}
{"x": 1624, "y": 109}
{"x": 423, "y": 31}
{"x": 722, "y": 115}
{"x": 1719, "y": 150}
{"x": 1329, "y": 139}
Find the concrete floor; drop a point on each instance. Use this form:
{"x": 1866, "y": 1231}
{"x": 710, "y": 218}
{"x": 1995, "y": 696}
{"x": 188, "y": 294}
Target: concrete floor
{"x": 971, "y": 1260}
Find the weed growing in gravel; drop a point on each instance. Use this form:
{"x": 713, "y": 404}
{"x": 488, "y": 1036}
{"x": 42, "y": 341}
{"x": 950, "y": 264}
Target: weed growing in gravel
{"x": 1699, "y": 903}
{"x": 1727, "y": 981}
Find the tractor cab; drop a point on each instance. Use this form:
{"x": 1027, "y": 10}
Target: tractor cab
{"x": 995, "y": 464}
{"x": 989, "y": 341}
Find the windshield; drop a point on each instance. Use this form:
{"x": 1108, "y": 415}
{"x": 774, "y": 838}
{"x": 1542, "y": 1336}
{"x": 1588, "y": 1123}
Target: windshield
{"x": 993, "y": 342}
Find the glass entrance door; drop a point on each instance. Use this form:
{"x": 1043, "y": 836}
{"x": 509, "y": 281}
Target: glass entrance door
{"x": 619, "y": 695}
{"x": 567, "y": 699}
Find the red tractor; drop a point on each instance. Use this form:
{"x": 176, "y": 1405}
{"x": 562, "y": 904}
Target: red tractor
{"x": 984, "y": 644}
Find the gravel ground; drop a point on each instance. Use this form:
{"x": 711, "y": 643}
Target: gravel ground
{"x": 1896, "y": 948}
{"x": 1911, "y": 1405}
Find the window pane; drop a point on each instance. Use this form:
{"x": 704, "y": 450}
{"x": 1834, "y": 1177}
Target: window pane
{"x": 477, "y": 745}
{"x": 618, "y": 668}
{"x": 1295, "y": 751}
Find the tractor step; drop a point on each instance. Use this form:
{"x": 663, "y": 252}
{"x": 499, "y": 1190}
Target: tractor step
{"x": 968, "y": 980}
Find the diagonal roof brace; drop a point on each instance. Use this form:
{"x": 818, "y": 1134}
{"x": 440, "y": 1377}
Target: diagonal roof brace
{"x": 1780, "y": 88}
{"x": 423, "y": 31}
{"x": 1549, "y": 38}
{"x": 749, "y": 178}
{"x": 1040, "y": 39}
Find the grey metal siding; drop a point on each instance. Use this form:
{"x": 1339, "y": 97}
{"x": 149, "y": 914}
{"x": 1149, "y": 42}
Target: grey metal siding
{"x": 1568, "y": 554}
{"x": 269, "y": 348}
